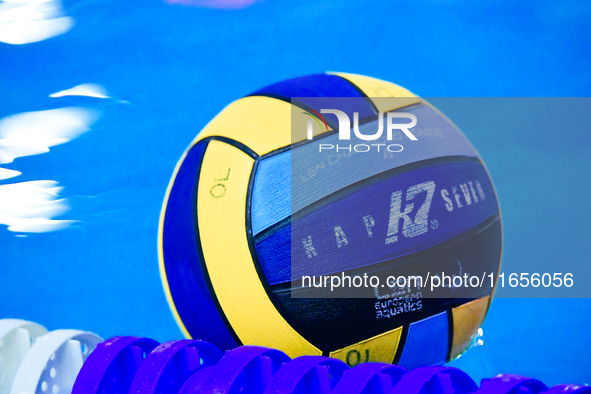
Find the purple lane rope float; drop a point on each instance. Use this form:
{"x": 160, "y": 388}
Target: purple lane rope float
{"x": 78, "y": 362}
{"x": 113, "y": 365}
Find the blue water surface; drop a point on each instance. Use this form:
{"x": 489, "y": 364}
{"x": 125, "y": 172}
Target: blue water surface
{"x": 169, "y": 69}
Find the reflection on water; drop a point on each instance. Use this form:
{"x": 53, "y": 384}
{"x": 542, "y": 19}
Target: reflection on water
{"x": 29, "y": 207}
{"x": 223, "y": 4}
{"x": 27, "y": 21}
{"x": 86, "y": 89}
{"x": 32, "y": 133}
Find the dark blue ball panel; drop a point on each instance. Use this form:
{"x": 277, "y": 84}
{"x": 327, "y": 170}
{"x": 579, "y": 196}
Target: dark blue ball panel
{"x": 333, "y": 323}
{"x": 316, "y": 85}
{"x": 184, "y": 270}
{"x": 387, "y": 219}
{"x": 321, "y": 87}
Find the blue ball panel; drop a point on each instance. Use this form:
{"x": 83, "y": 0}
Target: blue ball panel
{"x": 273, "y": 200}
{"x": 451, "y": 195}
{"x": 328, "y": 327}
{"x": 184, "y": 271}
{"x": 320, "y": 86}
{"x": 425, "y": 343}
{"x": 271, "y": 194}
{"x": 275, "y": 256}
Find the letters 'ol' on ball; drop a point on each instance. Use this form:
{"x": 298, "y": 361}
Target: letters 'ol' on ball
{"x": 226, "y": 225}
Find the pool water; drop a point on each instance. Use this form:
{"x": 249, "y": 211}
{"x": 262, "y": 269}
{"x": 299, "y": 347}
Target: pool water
{"x": 153, "y": 74}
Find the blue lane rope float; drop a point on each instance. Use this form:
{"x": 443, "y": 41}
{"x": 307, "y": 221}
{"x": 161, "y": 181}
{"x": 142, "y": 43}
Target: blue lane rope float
{"x": 511, "y": 384}
{"x": 441, "y": 380}
{"x": 246, "y": 369}
{"x": 122, "y": 365}
{"x": 169, "y": 365}
{"x": 307, "y": 374}
{"x": 370, "y": 378}
{"x": 569, "y": 388}
{"x": 112, "y": 366}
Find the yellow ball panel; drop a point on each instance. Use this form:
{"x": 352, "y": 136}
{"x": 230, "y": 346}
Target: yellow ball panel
{"x": 261, "y": 123}
{"x": 467, "y": 319}
{"x": 221, "y": 201}
{"x": 376, "y": 88}
{"x": 379, "y": 349}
